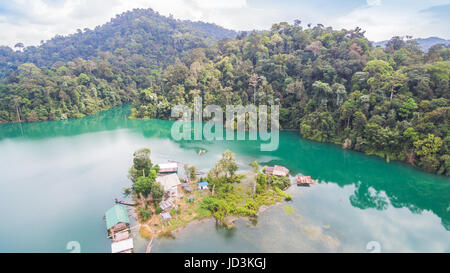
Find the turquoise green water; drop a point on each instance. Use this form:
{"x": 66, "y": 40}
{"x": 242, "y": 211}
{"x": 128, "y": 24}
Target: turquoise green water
{"x": 58, "y": 178}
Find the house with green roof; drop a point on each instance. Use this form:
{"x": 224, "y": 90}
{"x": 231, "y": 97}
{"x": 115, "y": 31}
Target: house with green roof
{"x": 117, "y": 220}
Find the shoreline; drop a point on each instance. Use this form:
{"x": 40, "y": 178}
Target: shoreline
{"x": 375, "y": 155}
{"x": 232, "y": 220}
{"x": 155, "y": 228}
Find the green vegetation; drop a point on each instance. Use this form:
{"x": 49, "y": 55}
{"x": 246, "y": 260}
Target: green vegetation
{"x": 93, "y": 70}
{"x": 143, "y": 174}
{"x": 288, "y": 209}
{"x": 231, "y": 198}
{"x": 332, "y": 86}
{"x": 191, "y": 172}
{"x": 144, "y": 214}
{"x": 280, "y": 182}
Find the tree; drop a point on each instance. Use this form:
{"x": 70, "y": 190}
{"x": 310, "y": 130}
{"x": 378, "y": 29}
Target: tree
{"x": 157, "y": 192}
{"x": 20, "y": 46}
{"x": 226, "y": 166}
{"x": 192, "y": 173}
{"x": 379, "y": 72}
{"x": 143, "y": 185}
{"x": 255, "y": 166}
{"x": 428, "y": 146}
{"x": 261, "y": 183}
{"x": 396, "y": 43}
{"x": 141, "y": 164}
{"x": 408, "y": 108}
{"x": 280, "y": 182}
{"x": 396, "y": 80}
{"x": 427, "y": 150}
{"x": 315, "y": 47}
{"x": 17, "y": 101}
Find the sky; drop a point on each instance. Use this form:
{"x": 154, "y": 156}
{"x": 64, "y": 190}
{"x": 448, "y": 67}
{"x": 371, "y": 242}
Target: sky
{"x": 33, "y": 21}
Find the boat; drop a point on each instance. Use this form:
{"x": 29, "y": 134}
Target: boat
{"x": 126, "y": 203}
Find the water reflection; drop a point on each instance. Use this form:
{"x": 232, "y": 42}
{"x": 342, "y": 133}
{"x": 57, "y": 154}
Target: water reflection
{"x": 362, "y": 190}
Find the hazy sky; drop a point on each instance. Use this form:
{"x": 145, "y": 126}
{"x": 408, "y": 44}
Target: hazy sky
{"x": 30, "y": 21}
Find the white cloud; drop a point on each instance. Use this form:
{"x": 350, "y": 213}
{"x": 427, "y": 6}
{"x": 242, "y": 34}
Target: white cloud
{"x": 397, "y": 18}
{"x": 38, "y": 20}
{"x": 30, "y": 21}
{"x": 228, "y": 4}
{"x": 373, "y": 2}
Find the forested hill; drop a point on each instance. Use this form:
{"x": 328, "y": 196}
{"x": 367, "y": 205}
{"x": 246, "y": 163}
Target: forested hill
{"x": 424, "y": 43}
{"x": 332, "y": 86}
{"x": 92, "y": 70}
{"x": 140, "y": 33}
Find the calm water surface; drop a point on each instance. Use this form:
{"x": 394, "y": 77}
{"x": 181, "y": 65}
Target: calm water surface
{"x": 58, "y": 178}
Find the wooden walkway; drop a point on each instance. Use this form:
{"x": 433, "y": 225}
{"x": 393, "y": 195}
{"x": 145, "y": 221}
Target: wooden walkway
{"x": 149, "y": 246}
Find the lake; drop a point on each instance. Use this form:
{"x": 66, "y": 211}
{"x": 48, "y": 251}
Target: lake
{"x": 58, "y": 178}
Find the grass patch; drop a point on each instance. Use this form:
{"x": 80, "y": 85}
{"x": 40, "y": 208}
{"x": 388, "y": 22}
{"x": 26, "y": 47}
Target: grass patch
{"x": 145, "y": 232}
{"x": 288, "y": 210}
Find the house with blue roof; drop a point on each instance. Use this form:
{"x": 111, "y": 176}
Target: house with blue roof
{"x": 203, "y": 185}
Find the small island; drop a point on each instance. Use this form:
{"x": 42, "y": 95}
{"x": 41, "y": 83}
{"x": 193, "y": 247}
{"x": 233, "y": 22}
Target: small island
{"x": 168, "y": 196}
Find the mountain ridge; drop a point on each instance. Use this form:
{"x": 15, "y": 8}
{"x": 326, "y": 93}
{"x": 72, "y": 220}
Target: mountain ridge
{"x": 132, "y": 30}
{"x": 425, "y": 43}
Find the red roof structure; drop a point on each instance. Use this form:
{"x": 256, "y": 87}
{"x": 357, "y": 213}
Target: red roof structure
{"x": 166, "y": 168}
{"x": 304, "y": 180}
{"x": 277, "y": 170}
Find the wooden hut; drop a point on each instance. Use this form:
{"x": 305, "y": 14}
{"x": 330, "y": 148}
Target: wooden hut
{"x": 117, "y": 220}
{"x": 121, "y": 236}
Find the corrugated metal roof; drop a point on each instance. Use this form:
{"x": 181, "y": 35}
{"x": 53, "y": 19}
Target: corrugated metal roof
{"x": 115, "y": 215}
{"x": 169, "y": 181}
{"x": 165, "y": 205}
{"x": 168, "y": 168}
{"x": 122, "y": 246}
{"x": 277, "y": 170}
{"x": 304, "y": 179}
